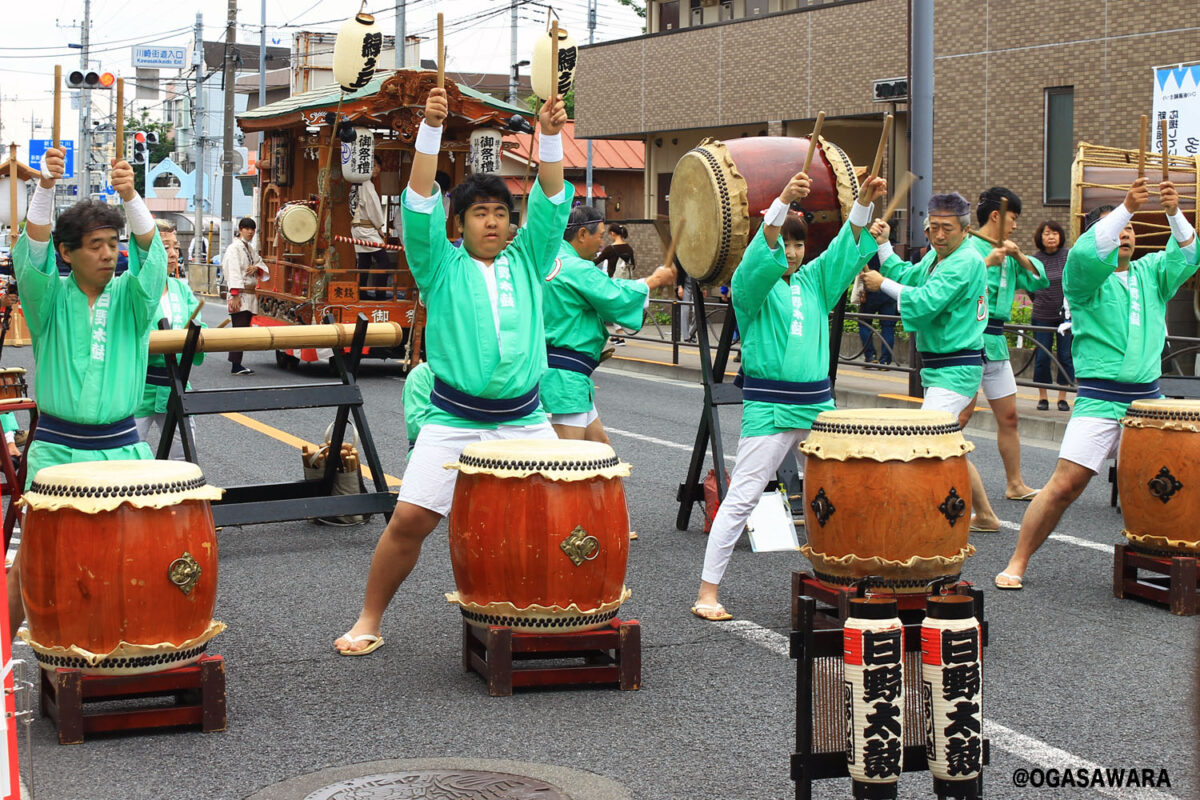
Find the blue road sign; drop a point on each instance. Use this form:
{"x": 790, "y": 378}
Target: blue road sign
{"x": 38, "y": 148}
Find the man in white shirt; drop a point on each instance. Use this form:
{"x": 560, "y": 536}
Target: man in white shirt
{"x": 243, "y": 267}
{"x": 368, "y": 226}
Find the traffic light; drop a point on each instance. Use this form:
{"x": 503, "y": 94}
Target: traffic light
{"x": 78, "y": 79}
{"x": 140, "y": 147}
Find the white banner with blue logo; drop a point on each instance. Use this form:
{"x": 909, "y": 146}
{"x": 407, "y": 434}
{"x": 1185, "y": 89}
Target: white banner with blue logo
{"x": 1177, "y": 100}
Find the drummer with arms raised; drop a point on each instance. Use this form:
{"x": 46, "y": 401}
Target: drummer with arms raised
{"x": 90, "y": 331}
{"x": 488, "y": 348}
{"x": 943, "y": 299}
{"x": 1118, "y": 311}
{"x": 580, "y": 301}
{"x": 782, "y": 310}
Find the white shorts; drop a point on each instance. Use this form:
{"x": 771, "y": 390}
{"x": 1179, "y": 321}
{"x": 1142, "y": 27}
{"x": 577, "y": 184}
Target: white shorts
{"x": 427, "y": 483}
{"x": 939, "y": 399}
{"x": 578, "y": 420}
{"x": 998, "y": 379}
{"x": 1090, "y": 441}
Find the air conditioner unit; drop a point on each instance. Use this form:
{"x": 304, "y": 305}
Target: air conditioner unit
{"x": 890, "y": 90}
{"x": 710, "y": 2}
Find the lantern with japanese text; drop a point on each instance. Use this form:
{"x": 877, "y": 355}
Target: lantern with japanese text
{"x": 952, "y": 694}
{"x": 356, "y": 52}
{"x": 873, "y": 651}
{"x": 485, "y": 151}
{"x": 358, "y": 155}
{"x": 539, "y": 68}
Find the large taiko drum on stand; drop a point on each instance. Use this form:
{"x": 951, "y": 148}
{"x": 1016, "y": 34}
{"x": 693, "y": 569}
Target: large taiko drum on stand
{"x": 119, "y": 566}
{"x": 1158, "y": 476}
{"x": 296, "y": 222}
{"x": 539, "y": 535}
{"x": 886, "y": 494}
{"x": 719, "y": 187}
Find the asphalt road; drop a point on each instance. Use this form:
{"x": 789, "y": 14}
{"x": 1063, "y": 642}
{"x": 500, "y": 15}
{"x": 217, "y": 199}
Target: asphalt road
{"x": 1074, "y": 677}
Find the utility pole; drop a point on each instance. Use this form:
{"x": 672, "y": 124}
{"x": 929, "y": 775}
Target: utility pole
{"x": 227, "y": 141}
{"x": 34, "y": 124}
{"x": 400, "y": 61}
{"x": 198, "y": 132}
{"x": 83, "y": 151}
{"x": 262, "y": 58}
{"x": 591, "y": 40}
{"x": 920, "y": 117}
{"x": 513, "y": 88}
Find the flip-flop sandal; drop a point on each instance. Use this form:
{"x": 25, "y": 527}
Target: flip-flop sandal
{"x": 376, "y": 642}
{"x": 717, "y": 612}
{"x": 1009, "y": 586}
{"x": 632, "y": 535}
{"x": 978, "y": 529}
{"x": 1027, "y": 496}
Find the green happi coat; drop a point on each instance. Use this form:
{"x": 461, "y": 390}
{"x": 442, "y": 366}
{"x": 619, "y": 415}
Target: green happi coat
{"x": 91, "y": 362}
{"x": 417, "y": 388}
{"x": 462, "y": 346}
{"x": 1002, "y": 285}
{"x": 579, "y": 300}
{"x": 1120, "y": 326}
{"x": 945, "y": 305}
{"x": 176, "y": 306}
{"x": 785, "y": 324}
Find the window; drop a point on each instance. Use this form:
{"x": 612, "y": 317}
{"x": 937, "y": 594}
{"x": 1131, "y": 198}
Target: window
{"x": 726, "y": 9}
{"x": 757, "y": 8}
{"x": 668, "y": 16}
{"x": 1059, "y": 145}
{"x": 697, "y": 17}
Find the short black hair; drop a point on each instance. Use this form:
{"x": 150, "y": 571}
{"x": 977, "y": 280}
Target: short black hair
{"x": 1094, "y": 216}
{"x": 990, "y": 199}
{"x": 795, "y": 227}
{"x": 1049, "y": 225}
{"x": 83, "y": 218}
{"x": 582, "y": 216}
{"x": 479, "y": 188}
{"x": 246, "y": 223}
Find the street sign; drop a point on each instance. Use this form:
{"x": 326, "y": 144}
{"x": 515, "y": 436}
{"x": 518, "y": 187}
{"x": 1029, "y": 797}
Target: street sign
{"x": 154, "y": 56}
{"x": 38, "y": 148}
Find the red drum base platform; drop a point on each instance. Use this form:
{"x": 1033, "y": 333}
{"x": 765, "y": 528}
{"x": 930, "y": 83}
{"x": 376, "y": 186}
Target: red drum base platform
{"x": 1176, "y": 584}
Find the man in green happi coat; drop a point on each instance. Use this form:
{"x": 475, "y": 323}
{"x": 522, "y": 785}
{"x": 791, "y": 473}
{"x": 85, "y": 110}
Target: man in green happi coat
{"x": 1118, "y": 315}
{"x": 486, "y": 342}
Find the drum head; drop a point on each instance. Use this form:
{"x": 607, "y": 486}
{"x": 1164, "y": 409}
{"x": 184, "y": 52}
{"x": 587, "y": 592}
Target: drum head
{"x": 1163, "y": 413}
{"x": 885, "y": 434}
{"x": 93, "y": 486}
{"x": 12, "y": 371}
{"x": 709, "y": 212}
{"x": 558, "y": 459}
{"x": 297, "y": 224}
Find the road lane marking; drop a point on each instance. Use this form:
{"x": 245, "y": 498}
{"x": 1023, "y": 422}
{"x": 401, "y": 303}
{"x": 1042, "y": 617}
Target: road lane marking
{"x": 1024, "y": 747}
{"x": 655, "y": 440}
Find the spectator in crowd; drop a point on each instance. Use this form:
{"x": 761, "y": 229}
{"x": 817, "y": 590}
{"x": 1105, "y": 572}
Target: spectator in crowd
{"x": 876, "y": 303}
{"x": 1049, "y": 310}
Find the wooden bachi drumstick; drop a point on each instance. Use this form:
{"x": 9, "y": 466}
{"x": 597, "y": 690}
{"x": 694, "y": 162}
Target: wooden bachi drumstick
{"x": 441, "y": 84}
{"x": 669, "y": 259}
{"x": 1003, "y": 220}
{"x": 194, "y": 313}
{"x": 554, "y": 59}
{"x": 812, "y": 141}
{"x": 900, "y": 194}
{"x": 56, "y": 128}
{"x": 1162, "y": 127}
{"x": 1142, "y": 147}
{"x": 987, "y": 239}
{"x": 120, "y": 141}
{"x": 879, "y": 151}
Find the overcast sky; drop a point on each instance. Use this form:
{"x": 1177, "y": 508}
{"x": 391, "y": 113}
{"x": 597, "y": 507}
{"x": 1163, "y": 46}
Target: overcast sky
{"x": 36, "y": 34}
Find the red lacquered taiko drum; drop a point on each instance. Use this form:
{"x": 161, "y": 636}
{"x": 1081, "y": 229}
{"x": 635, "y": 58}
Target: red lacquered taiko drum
{"x": 119, "y": 566}
{"x": 718, "y": 187}
{"x": 539, "y": 535}
{"x": 1158, "y": 476}
{"x": 886, "y": 494}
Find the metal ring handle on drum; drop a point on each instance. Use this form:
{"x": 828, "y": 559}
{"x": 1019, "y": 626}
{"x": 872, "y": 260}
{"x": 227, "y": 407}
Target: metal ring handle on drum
{"x": 580, "y": 546}
{"x": 184, "y": 572}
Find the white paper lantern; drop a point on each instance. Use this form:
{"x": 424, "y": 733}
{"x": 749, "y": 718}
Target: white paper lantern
{"x": 873, "y": 651}
{"x": 952, "y": 689}
{"x": 358, "y": 156}
{"x": 6, "y": 217}
{"x": 356, "y": 52}
{"x": 539, "y": 64}
{"x": 485, "y": 150}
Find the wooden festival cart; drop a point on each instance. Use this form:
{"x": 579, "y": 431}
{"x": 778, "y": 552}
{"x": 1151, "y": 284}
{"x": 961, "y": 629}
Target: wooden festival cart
{"x": 299, "y": 142}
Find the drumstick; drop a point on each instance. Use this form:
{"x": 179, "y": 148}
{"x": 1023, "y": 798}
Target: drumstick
{"x": 987, "y": 239}
{"x": 194, "y": 313}
{"x": 669, "y": 259}
{"x": 441, "y": 84}
{"x": 1003, "y": 219}
{"x": 1142, "y": 147}
{"x": 812, "y": 141}
{"x": 120, "y": 141}
{"x": 57, "y": 124}
{"x": 554, "y": 59}
{"x": 901, "y": 193}
{"x": 1162, "y": 127}
{"x": 879, "y": 151}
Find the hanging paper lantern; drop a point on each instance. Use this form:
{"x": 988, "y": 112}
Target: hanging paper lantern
{"x": 485, "y": 151}
{"x": 952, "y": 691}
{"x": 539, "y": 64}
{"x": 358, "y": 156}
{"x": 356, "y": 51}
{"x": 873, "y": 651}
{"x": 6, "y": 216}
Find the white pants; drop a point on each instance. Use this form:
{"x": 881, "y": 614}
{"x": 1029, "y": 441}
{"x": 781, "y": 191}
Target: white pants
{"x": 998, "y": 380}
{"x": 427, "y": 483}
{"x": 578, "y": 420}
{"x": 1090, "y": 441}
{"x": 939, "y": 399}
{"x": 159, "y": 420}
{"x": 758, "y": 459}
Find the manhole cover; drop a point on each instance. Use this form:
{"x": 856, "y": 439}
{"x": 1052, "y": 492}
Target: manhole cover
{"x": 440, "y": 785}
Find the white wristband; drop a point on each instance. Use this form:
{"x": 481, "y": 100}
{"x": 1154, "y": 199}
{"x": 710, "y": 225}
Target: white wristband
{"x": 860, "y": 215}
{"x": 891, "y": 288}
{"x": 885, "y": 252}
{"x": 41, "y": 206}
{"x": 429, "y": 139}
{"x": 551, "y": 147}
{"x": 776, "y": 214}
{"x": 140, "y": 219}
{"x": 1180, "y": 226}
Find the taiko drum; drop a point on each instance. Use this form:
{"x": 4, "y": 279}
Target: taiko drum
{"x": 539, "y": 535}
{"x": 119, "y": 566}
{"x": 718, "y": 187}
{"x": 886, "y": 494}
{"x": 12, "y": 384}
{"x": 1158, "y": 476}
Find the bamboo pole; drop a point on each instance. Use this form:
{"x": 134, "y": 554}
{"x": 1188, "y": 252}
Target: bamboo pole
{"x": 812, "y": 141}
{"x": 289, "y": 337}
{"x": 13, "y": 222}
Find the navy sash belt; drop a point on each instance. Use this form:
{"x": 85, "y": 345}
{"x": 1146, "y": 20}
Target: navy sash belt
{"x": 1116, "y": 391}
{"x": 959, "y": 358}
{"x": 995, "y": 327}
{"x": 158, "y": 376}
{"x": 482, "y": 409}
{"x": 53, "y": 430}
{"x": 573, "y": 360}
{"x": 792, "y": 393}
